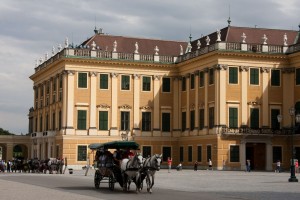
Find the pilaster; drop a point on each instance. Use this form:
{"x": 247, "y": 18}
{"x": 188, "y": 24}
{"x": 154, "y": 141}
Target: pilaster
{"x": 288, "y": 78}
{"x": 176, "y": 106}
{"x": 93, "y": 85}
{"x": 205, "y": 129}
{"x": 70, "y": 103}
{"x": 156, "y": 127}
{"x": 114, "y": 104}
{"x": 221, "y": 101}
{"x": 136, "y": 104}
{"x": 244, "y": 94}
{"x": 196, "y": 101}
{"x": 265, "y": 96}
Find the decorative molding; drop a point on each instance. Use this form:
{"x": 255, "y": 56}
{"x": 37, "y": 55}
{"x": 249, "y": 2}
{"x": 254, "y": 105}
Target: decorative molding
{"x": 192, "y": 107}
{"x": 288, "y": 70}
{"x": 103, "y": 106}
{"x": 136, "y": 76}
{"x": 93, "y": 73}
{"x": 220, "y": 67}
{"x": 125, "y": 106}
{"x": 187, "y": 75}
{"x": 175, "y": 78}
{"x": 69, "y": 72}
{"x": 156, "y": 77}
{"x": 201, "y": 104}
{"x": 146, "y": 107}
{"x": 244, "y": 68}
{"x": 196, "y": 72}
{"x": 264, "y": 70}
{"x": 114, "y": 75}
{"x": 253, "y": 103}
{"x": 205, "y": 70}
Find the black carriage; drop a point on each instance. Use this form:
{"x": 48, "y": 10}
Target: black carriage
{"x": 107, "y": 168}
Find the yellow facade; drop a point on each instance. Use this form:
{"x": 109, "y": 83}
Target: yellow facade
{"x": 222, "y": 127}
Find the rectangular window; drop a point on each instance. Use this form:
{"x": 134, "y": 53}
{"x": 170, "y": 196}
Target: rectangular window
{"x": 104, "y": 81}
{"x": 234, "y": 153}
{"x": 125, "y": 119}
{"x": 82, "y": 80}
{"x": 208, "y": 152}
{"x": 201, "y": 79}
{"x": 166, "y": 153}
{"x": 298, "y": 76}
{"x": 254, "y": 118}
{"x": 233, "y": 117}
{"x": 146, "y": 83}
{"x": 199, "y": 151}
{"x": 180, "y": 154}
{"x": 274, "y": 121}
{"x": 297, "y": 154}
{"x": 277, "y": 154}
{"x": 183, "y": 84}
{"x": 166, "y": 87}
{"x": 211, "y": 76}
{"x": 192, "y": 81}
{"x": 201, "y": 119}
{"x": 103, "y": 120}
{"x": 211, "y": 117}
{"x": 81, "y": 119}
{"x": 190, "y": 153}
{"x": 166, "y": 122}
{"x": 60, "y": 81}
{"x": 192, "y": 120}
{"x": 54, "y": 84}
{"x": 146, "y": 121}
{"x": 275, "y": 77}
{"x": 81, "y": 153}
{"x": 41, "y": 124}
{"x": 183, "y": 121}
{"x": 53, "y": 121}
{"x": 146, "y": 151}
{"x": 254, "y": 76}
{"x": 47, "y": 122}
{"x": 233, "y": 75}
{"x": 125, "y": 85}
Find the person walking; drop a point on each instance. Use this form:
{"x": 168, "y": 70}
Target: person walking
{"x": 224, "y": 164}
{"x": 196, "y": 165}
{"x": 8, "y": 166}
{"x": 278, "y": 166}
{"x": 210, "y": 164}
{"x": 248, "y": 165}
{"x": 169, "y": 164}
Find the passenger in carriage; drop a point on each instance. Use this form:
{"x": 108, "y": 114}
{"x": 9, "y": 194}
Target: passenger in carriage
{"x": 117, "y": 157}
{"x": 127, "y": 154}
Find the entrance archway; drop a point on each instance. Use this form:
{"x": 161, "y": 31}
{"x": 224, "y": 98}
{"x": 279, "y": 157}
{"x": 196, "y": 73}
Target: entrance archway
{"x": 256, "y": 153}
{"x": 20, "y": 151}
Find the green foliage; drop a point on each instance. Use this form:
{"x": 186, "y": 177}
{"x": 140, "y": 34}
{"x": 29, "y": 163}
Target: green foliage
{"x": 5, "y": 132}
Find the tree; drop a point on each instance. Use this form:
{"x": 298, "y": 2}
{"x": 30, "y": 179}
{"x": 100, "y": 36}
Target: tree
{"x": 5, "y": 132}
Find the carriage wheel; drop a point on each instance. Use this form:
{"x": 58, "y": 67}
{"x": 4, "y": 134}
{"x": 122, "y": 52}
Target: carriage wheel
{"x": 97, "y": 179}
{"x": 111, "y": 182}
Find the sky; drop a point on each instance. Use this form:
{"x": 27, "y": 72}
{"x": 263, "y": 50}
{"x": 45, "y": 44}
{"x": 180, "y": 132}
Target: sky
{"x": 30, "y": 28}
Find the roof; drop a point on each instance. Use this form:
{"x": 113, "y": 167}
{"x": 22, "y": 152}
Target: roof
{"x": 127, "y": 44}
{"x": 233, "y": 34}
{"x": 115, "y": 145}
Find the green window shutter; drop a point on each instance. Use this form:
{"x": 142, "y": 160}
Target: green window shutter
{"x": 199, "y": 150}
{"x": 211, "y": 117}
{"x": 125, "y": 83}
{"x": 81, "y": 119}
{"x": 183, "y": 121}
{"x": 254, "y": 118}
{"x": 211, "y": 76}
{"x": 274, "y": 121}
{"x": 254, "y": 76}
{"x": 192, "y": 81}
{"x": 180, "y": 154}
{"x": 183, "y": 84}
{"x": 298, "y": 76}
{"x": 103, "y": 120}
{"x": 201, "y": 77}
{"x": 103, "y": 81}
{"x": 234, "y": 153}
{"x": 233, "y": 117}
{"x": 146, "y": 83}
{"x": 166, "y": 85}
{"x": 82, "y": 80}
{"x": 275, "y": 77}
{"x": 201, "y": 119}
{"x": 233, "y": 75}
{"x": 192, "y": 120}
{"x": 165, "y": 122}
{"x": 146, "y": 121}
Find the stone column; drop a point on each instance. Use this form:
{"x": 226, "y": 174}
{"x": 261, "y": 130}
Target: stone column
{"x": 269, "y": 158}
{"x": 70, "y": 103}
{"x": 156, "y": 115}
{"x": 64, "y": 101}
{"x": 114, "y": 104}
{"x": 244, "y": 94}
{"x": 243, "y": 154}
{"x": 196, "y": 102}
{"x": 93, "y": 95}
{"x": 188, "y": 111}
{"x": 136, "y": 105}
{"x": 221, "y": 101}
{"x": 265, "y": 97}
{"x": 205, "y": 129}
{"x": 288, "y": 81}
{"x": 176, "y": 107}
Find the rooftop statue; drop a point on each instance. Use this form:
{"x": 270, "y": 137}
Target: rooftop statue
{"x": 181, "y": 50}
{"x": 66, "y": 42}
{"x": 244, "y": 38}
{"x": 207, "y": 40}
{"x": 156, "y": 49}
{"x": 93, "y": 45}
{"x": 218, "y": 35}
{"x": 136, "y": 48}
{"x": 285, "y": 39}
{"x": 198, "y": 44}
{"x": 264, "y": 38}
{"x": 53, "y": 51}
{"x": 59, "y": 48}
{"x": 115, "y": 46}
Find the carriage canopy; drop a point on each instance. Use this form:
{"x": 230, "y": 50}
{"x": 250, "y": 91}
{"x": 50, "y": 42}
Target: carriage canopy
{"x": 115, "y": 145}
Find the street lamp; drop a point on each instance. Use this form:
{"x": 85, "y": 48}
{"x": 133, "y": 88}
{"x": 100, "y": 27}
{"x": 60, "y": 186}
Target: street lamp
{"x": 292, "y": 111}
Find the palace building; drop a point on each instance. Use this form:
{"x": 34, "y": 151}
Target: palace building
{"x": 216, "y": 97}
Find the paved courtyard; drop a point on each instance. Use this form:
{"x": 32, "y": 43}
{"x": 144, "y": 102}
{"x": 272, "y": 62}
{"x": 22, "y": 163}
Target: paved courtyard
{"x": 185, "y": 184}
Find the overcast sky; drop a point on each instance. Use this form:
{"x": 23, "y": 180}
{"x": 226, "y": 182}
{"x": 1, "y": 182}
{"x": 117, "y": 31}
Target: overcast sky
{"x": 29, "y": 29}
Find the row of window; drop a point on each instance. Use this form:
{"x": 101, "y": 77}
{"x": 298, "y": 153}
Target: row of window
{"x": 234, "y": 153}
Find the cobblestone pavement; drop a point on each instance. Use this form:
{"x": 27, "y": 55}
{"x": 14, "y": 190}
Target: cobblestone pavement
{"x": 201, "y": 184}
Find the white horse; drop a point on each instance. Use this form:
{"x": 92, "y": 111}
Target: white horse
{"x": 150, "y": 166}
{"x": 130, "y": 169}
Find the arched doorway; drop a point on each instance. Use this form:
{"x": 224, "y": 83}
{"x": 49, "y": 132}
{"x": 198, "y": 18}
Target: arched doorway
{"x": 20, "y": 151}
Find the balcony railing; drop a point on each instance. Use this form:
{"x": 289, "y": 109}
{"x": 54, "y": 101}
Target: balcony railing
{"x": 255, "y": 131}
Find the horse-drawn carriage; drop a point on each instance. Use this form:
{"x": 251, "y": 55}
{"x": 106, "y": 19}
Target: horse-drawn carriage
{"x": 123, "y": 166}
